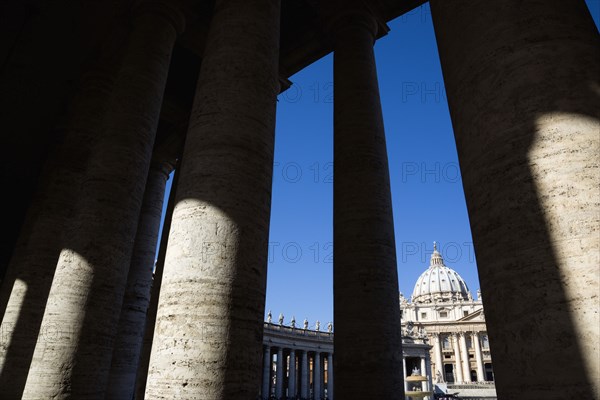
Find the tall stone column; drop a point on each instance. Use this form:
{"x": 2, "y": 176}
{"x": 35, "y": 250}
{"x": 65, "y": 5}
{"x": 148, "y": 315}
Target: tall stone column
{"x": 132, "y": 322}
{"x": 437, "y": 350}
{"x": 304, "y": 375}
{"x": 29, "y": 277}
{"x": 266, "y": 375}
{"x": 368, "y": 344}
{"x": 91, "y": 272}
{"x": 142, "y": 372}
{"x": 292, "y": 375}
{"x": 317, "y": 376}
{"x": 208, "y": 336}
{"x": 478, "y": 357}
{"x": 424, "y": 373}
{"x": 464, "y": 355}
{"x": 330, "y": 383}
{"x": 458, "y": 370}
{"x": 404, "y": 374}
{"x": 522, "y": 90}
{"x": 279, "y": 374}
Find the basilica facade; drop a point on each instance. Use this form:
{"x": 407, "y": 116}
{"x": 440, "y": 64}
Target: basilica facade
{"x": 442, "y": 308}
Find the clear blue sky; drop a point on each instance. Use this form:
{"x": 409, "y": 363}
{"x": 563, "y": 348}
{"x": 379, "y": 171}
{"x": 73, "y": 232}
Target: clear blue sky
{"x": 427, "y": 192}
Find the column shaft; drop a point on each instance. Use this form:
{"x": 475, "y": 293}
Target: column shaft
{"x": 279, "y": 374}
{"x": 209, "y": 327}
{"x": 526, "y": 118}
{"x": 292, "y": 375}
{"x": 317, "y": 376}
{"x": 91, "y": 272}
{"x": 439, "y": 364}
{"x": 330, "y": 384}
{"x": 478, "y": 357}
{"x": 304, "y": 376}
{"x": 266, "y": 375}
{"x": 424, "y": 373}
{"x": 458, "y": 370}
{"x": 24, "y": 292}
{"x": 132, "y": 322}
{"x": 368, "y": 344}
{"x": 404, "y": 374}
{"x": 466, "y": 364}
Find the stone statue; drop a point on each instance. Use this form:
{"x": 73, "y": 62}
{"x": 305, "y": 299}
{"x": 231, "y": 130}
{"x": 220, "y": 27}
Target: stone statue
{"x": 305, "y": 324}
{"x": 438, "y": 377}
{"x": 410, "y": 328}
{"x": 416, "y": 371}
{"x": 317, "y": 325}
{"x": 330, "y": 327}
{"x": 281, "y": 319}
{"x": 269, "y": 317}
{"x": 293, "y": 322}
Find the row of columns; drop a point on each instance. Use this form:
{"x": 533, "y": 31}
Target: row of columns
{"x": 286, "y": 371}
{"x": 462, "y": 366}
{"x": 208, "y": 331}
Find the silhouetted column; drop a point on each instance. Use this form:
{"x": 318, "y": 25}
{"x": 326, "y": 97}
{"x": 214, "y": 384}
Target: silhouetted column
{"x": 266, "y": 375}
{"x": 458, "y": 370}
{"x": 279, "y": 374}
{"x": 208, "y": 335}
{"x": 292, "y": 375}
{"x": 330, "y": 384}
{"x": 466, "y": 365}
{"x": 317, "y": 376}
{"x": 368, "y": 346}
{"x": 91, "y": 274}
{"x": 304, "y": 375}
{"x": 522, "y": 85}
{"x": 478, "y": 357}
{"x": 404, "y": 374}
{"x": 29, "y": 277}
{"x": 132, "y": 322}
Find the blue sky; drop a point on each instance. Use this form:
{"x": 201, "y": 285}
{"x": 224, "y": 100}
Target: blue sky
{"x": 427, "y": 192}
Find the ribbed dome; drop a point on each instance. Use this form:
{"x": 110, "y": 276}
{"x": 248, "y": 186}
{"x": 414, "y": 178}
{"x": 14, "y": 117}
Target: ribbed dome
{"x": 439, "y": 282}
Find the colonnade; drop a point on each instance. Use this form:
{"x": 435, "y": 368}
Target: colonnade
{"x": 290, "y": 373}
{"x": 462, "y": 356}
{"x": 525, "y": 114}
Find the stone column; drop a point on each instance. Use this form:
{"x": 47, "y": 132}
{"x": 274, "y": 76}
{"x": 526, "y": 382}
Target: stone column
{"x": 404, "y": 374}
{"x": 439, "y": 363}
{"x": 368, "y": 345}
{"x": 266, "y": 375}
{"x": 478, "y": 357}
{"x": 466, "y": 364}
{"x": 209, "y": 327}
{"x": 279, "y": 374}
{"x": 317, "y": 376}
{"x": 132, "y": 322}
{"x": 24, "y": 292}
{"x": 91, "y": 273}
{"x": 292, "y": 375}
{"x": 304, "y": 376}
{"x": 330, "y": 384}
{"x": 523, "y": 95}
{"x": 458, "y": 370}
{"x": 142, "y": 373}
{"x": 424, "y": 373}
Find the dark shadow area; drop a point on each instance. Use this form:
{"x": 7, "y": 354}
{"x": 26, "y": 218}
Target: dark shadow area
{"x": 504, "y": 70}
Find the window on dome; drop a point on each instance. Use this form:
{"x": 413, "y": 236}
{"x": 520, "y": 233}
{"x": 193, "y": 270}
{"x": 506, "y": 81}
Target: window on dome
{"x": 465, "y": 313}
{"x": 423, "y": 315}
{"x": 443, "y": 314}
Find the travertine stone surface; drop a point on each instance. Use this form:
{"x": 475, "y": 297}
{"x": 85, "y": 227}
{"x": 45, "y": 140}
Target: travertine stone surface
{"x": 130, "y": 334}
{"x": 208, "y": 335}
{"x": 522, "y": 83}
{"x": 367, "y": 345}
{"x": 29, "y": 277}
{"x": 91, "y": 274}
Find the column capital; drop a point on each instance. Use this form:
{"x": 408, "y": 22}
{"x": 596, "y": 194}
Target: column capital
{"x": 341, "y": 16}
{"x": 170, "y": 10}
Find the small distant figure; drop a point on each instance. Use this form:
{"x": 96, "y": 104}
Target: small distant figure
{"x": 305, "y": 324}
{"x": 416, "y": 371}
{"x": 281, "y": 319}
{"x": 269, "y": 317}
{"x": 330, "y": 327}
{"x": 293, "y": 322}
{"x": 317, "y": 325}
